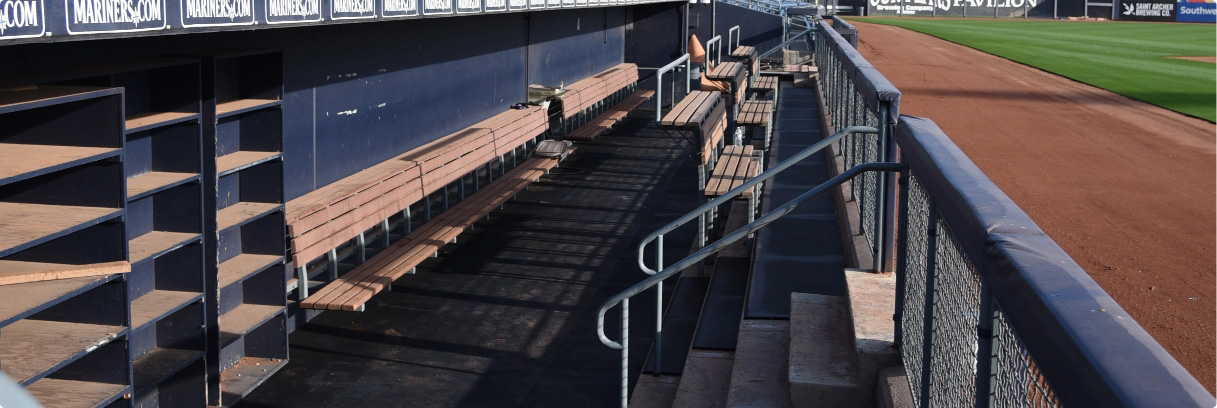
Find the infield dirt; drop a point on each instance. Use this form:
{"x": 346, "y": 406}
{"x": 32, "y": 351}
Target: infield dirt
{"x": 1128, "y": 189}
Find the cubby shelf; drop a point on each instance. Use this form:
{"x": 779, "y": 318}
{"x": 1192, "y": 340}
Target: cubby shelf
{"x": 157, "y": 304}
{"x": 17, "y": 272}
{"x": 243, "y": 266}
{"x": 55, "y": 393}
{"x": 240, "y": 106}
{"x": 28, "y": 224}
{"x": 155, "y": 243}
{"x": 247, "y": 374}
{"x": 161, "y": 363}
{"x": 243, "y": 318}
{"x": 25, "y": 299}
{"x": 145, "y": 121}
{"x": 33, "y": 348}
{"x": 22, "y": 161}
{"x": 240, "y": 160}
{"x": 42, "y": 96}
{"x": 237, "y": 214}
{"x": 155, "y": 181}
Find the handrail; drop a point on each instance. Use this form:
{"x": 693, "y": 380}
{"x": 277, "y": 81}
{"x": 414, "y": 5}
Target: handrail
{"x": 659, "y": 83}
{"x": 734, "y": 29}
{"x": 785, "y": 43}
{"x": 718, "y": 41}
{"x": 768, "y": 174}
{"x": 623, "y": 298}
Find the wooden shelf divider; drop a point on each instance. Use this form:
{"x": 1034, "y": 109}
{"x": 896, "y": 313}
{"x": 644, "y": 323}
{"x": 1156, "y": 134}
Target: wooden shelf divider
{"x": 240, "y": 213}
{"x": 157, "y": 304}
{"x": 31, "y": 348}
{"x": 154, "y": 243}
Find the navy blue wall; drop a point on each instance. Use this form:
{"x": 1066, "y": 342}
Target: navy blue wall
{"x": 758, "y": 29}
{"x": 358, "y": 94}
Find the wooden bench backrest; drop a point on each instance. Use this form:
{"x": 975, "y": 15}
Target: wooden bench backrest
{"x": 450, "y": 157}
{"x": 712, "y": 130}
{"x": 340, "y": 211}
{"x": 586, "y": 92}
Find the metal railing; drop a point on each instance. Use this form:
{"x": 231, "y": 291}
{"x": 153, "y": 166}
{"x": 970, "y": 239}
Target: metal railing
{"x": 717, "y": 43}
{"x": 733, "y": 32}
{"x": 659, "y": 83}
{"x": 856, "y": 93}
{"x": 657, "y": 279}
{"x": 992, "y": 313}
{"x": 767, "y": 6}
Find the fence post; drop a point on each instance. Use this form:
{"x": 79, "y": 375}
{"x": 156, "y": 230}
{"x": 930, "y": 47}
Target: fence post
{"x": 888, "y": 233}
{"x": 927, "y": 330}
{"x": 902, "y": 262}
{"x": 881, "y": 193}
{"x": 984, "y": 348}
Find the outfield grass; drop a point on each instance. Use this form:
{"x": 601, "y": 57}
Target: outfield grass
{"x": 1126, "y": 58}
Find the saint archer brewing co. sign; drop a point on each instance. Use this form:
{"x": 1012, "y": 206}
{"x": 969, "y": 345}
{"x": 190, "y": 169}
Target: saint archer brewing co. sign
{"x": 1147, "y": 10}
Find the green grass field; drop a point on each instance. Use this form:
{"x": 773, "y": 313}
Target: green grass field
{"x": 1126, "y": 58}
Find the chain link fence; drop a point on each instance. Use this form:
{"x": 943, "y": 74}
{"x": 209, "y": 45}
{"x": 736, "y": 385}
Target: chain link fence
{"x": 990, "y": 311}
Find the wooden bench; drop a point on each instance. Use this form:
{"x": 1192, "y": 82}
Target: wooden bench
{"x": 734, "y": 74}
{"x": 605, "y": 121}
{"x": 764, "y": 84}
{"x": 750, "y": 56}
{"x": 352, "y": 290}
{"x": 588, "y": 92}
{"x": 754, "y": 114}
{"x": 333, "y": 215}
{"x": 736, "y": 166}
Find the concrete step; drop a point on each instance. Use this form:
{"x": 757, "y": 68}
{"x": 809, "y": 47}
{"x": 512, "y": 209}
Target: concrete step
{"x": 653, "y": 391}
{"x": 823, "y": 368}
{"x": 893, "y": 389}
{"x": 759, "y": 376}
{"x": 706, "y": 380}
{"x": 872, "y": 305}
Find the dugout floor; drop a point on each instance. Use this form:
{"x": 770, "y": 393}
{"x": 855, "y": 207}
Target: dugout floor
{"x": 506, "y": 317}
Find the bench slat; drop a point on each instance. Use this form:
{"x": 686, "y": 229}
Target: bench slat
{"x": 358, "y": 286}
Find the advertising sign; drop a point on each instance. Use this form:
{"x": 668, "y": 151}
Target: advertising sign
{"x": 399, "y": 8}
{"x": 351, "y": 9}
{"x": 973, "y": 8}
{"x": 1196, "y": 12}
{"x": 1147, "y": 10}
{"x": 114, "y": 16}
{"x": 214, "y": 13}
{"x": 22, "y": 18}
{"x": 292, "y": 11}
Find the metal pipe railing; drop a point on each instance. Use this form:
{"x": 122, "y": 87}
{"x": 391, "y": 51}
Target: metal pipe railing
{"x": 623, "y": 298}
{"x": 760, "y": 178}
{"x": 717, "y": 41}
{"x": 733, "y": 30}
{"x": 785, "y": 43}
{"x": 659, "y": 83}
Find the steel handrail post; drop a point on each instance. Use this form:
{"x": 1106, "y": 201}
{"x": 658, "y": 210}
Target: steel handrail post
{"x": 889, "y": 191}
{"x": 729, "y": 239}
{"x": 735, "y": 30}
{"x": 659, "y": 84}
{"x": 718, "y": 42}
{"x": 767, "y": 174}
{"x": 881, "y": 193}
